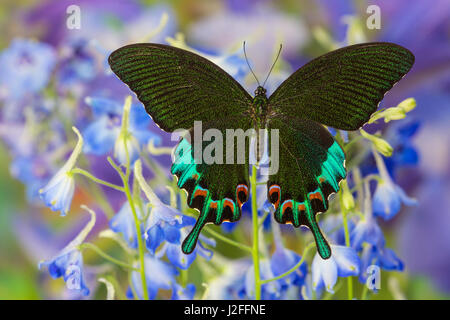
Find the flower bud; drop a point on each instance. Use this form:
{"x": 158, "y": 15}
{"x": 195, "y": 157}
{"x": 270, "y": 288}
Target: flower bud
{"x": 380, "y": 144}
{"x": 347, "y": 197}
{"x": 407, "y": 105}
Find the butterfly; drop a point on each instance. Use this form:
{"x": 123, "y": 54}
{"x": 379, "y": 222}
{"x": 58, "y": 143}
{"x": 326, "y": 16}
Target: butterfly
{"x": 340, "y": 89}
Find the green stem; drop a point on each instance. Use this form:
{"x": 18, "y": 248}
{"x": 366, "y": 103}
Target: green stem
{"x": 119, "y": 292}
{"x": 103, "y": 254}
{"x": 141, "y": 248}
{"x": 133, "y": 289}
{"x": 364, "y": 293}
{"x": 126, "y": 188}
{"x": 95, "y": 179}
{"x": 263, "y": 218}
{"x": 229, "y": 241}
{"x": 367, "y": 178}
{"x": 352, "y": 142}
{"x": 255, "y": 247}
{"x": 184, "y": 277}
{"x": 137, "y": 221}
{"x": 347, "y": 243}
{"x": 294, "y": 268}
{"x": 365, "y": 290}
{"x": 116, "y": 167}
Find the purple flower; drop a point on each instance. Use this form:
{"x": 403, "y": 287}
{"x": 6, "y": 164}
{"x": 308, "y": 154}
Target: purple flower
{"x": 344, "y": 262}
{"x": 269, "y": 291}
{"x": 102, "y": 134}
{"x": 284, "y": 260}
{"x": 239, "y": 6}
{"x": 78, "y": 65}
{"x": 388, "y": 196}
{"x": 382, "y": 257}
{"x": 164, "y": 224}
{"x": 367, "y": 229}
{"x": 230, "y": 284}
{"x": 69, "y": 265}
{"x": 405, "y": 153}
{"x": 172, "y": 247}
{"x": 51, "y": 14}
{"x": 59, "y": 191}
{"x": 333, "y": 227}
{"x": 180, "y": 293}
{"x": 233, "y": 64}
{"x": 26, "y": 68}
{"x": 159, "y": 275}
{"x": 69, "y": 262}
{"x": 123, "y": 222}
{"x": 234, "y": 28}
{"x": 160, "y": 232}
{"x": 31, "y": 171}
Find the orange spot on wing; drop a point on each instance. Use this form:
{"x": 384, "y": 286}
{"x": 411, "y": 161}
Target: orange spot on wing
{"x": 301, "y": 207}
{"x": 229, "y": 203}
{"x": 287, "y": 204}
{"x": 200, "y": 192}
{"x": 241, "y": 188}
{"x": 316, "y": 195}
{"x": 213, "y": 205}
{"x": 275, "y": 188}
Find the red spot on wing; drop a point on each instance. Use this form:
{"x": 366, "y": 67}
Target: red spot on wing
{"x": 241, "y": 188}
{"x": 229, "y": 203}
{"x": 200, "y": 192}
{"x": 213, "y": 205}
{"x": 287, "y": 204}
{"x": 316, "y": 195}
{"x": 275, "y": 189}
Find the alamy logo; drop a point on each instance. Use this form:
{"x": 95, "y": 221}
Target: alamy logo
{"x": 374, "y": 20}
{"x": 210, "y": 146}
{"x": 73, "y": 276}
{"x": 73, "y": 20}
{"x": 373, "y": 281}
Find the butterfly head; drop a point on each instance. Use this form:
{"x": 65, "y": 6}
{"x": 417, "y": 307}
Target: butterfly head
{"x": 260, "y": 91}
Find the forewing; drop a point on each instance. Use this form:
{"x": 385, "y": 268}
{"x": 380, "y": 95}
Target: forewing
{"x": 311, "y": 164}
{"x": 342, "y": 88}
{"x": 178, "y": 87}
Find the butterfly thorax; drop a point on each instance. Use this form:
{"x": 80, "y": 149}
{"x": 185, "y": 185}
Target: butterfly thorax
{"x": 259, "y": 106}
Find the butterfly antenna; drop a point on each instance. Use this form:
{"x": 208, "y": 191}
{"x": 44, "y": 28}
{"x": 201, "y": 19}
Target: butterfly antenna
{"x": 273, "y": 65}
{"x": 246, "y": 59}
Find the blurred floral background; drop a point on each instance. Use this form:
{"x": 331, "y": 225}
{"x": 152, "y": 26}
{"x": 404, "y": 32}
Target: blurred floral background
{"x": 54, "y": 75}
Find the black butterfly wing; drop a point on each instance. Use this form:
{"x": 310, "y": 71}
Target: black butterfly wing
{"x": 217, "y": 189}
{"x": 311, "y": 165}
{"x": 342, "y": 88}
{"x": 178, "y": 87}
